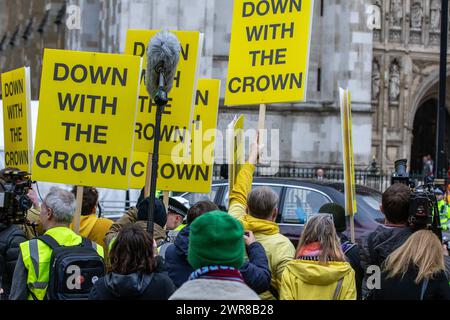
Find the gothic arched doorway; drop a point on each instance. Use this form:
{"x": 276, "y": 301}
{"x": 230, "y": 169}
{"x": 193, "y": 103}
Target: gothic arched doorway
{"x": 424, "y": 134}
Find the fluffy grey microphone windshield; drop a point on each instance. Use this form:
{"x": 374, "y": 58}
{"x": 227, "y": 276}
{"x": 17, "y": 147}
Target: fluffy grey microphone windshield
{"x": 163, "y": 52}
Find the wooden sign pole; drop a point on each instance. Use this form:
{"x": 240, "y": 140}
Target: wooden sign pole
{"x": 166, "y": 200}
{"x": 261, "y": 125}
{"x": 147, "y": 176}
{"x": 77, "y": 216}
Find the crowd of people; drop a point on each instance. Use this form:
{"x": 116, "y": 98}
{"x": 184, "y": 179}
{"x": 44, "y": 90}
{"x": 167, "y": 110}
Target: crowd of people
{"x": 199, "y": 252}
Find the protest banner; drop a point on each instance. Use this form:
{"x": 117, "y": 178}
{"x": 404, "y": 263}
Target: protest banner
{"x": 16, "y": 95}
{"x": 86, "y": 118}
{"x": 269, "y": 51}
{"x": 348, "y": 157}
{"x": 177, "y": 114}
{"x": 193, "y": 174}
{"x": 235, "y": 149}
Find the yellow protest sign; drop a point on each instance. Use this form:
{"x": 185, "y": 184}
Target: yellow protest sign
{"x": 269, "y": 51}
{"x": 348, "y": 158}
{"x": 16, "y": 94}
{"x": 177, "y": 115}
{"x": 87, "y": 111}
{"x": 235, "y": 149}
{"x": 193, "y": 174}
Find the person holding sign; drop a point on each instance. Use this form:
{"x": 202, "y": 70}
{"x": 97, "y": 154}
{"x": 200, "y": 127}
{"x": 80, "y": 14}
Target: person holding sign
{"x": 139, "y": 215}
{"x": 91, "y": 226}
{"x": 257, "y": 210}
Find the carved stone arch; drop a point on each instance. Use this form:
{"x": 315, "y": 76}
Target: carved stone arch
{"x": 422, "y": 93}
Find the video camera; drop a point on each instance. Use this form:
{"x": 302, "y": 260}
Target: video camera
{"x": 423, "y": 209}
{"x": 14, "y": 202}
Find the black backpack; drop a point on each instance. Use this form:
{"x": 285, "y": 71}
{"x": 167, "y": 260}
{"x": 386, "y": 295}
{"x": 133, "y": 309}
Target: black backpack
{"x": 73, "y": 270}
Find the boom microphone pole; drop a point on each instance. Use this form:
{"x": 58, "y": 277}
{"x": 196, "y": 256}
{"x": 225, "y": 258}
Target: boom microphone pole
{"x": 163, "y": 54}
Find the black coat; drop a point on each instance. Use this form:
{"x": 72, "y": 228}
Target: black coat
{"x": 352, "y": 254}
{"x": 405, "y": 288}
{"x": 135, "y": 286}
{"x": 378, "y": 245}
{"x": 256, "y": 272}
{"x": 10, "y": 239}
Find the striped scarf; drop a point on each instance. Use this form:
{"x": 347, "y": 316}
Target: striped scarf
{"x": 217, "y": 273}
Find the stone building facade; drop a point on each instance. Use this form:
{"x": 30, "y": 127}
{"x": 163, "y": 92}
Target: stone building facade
{"x": 405, "y": 75}
{"x": 391, "y": 71}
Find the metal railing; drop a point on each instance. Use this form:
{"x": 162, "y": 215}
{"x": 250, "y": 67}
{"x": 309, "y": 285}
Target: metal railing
{"x": 371, "y": 177}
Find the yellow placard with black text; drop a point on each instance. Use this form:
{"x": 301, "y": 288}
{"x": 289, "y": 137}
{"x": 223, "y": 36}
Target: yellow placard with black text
{"x": 87, "y": 111}
{"x": 348, "y": 154}
{"x": 177, "y": 114}
{"x": 16, "y": 95}
{"x": 269, "y": 51}
{"x": 193, "y": 174}
{"x": 235, "y": 149}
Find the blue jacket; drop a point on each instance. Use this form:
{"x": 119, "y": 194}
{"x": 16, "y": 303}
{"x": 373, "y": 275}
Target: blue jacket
{"x": 256, "y": 272}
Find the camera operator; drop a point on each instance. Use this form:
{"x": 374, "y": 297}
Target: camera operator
{"x": 11, "y": 236}
{"x": 379, "y": 244}
{"x": 32, "y": 227}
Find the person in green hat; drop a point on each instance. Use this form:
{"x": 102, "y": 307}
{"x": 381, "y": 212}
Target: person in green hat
{"x": 216, "y": 252}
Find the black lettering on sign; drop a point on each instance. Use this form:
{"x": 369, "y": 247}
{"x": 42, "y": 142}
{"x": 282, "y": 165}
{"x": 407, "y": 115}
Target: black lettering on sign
{"x": 264, "y": 7}
{"x": 138, "y": 49}
{"x": 270, "y": 31}
{"x": 92, "y": 133}
{"x": 203, "y": 96}
{"x": 134, "y": 171}
{"x": 184, "y": 172}
{"x": 264, "y": 83}
{"x": 12, "y": 88}
{"x": 80, "y": 101}
{"x": 274, "y": 56}
{"x": 15, "y": 111}
{"x": 185, "y": 52}
{"x": 79, "y": 162}
{"x": 80, "y": 73}
{"x": 168, "y": 133}
{"x": 146, "y": 105}
{"x": 15, "y": 158}
{"x": 16, "y": 134}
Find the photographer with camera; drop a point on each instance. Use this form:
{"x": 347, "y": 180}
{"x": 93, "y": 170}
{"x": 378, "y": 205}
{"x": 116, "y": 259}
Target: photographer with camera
{"x": 407, "y": 209}
{"x": 378, "y": 245}
{"x": 13, "y": 203}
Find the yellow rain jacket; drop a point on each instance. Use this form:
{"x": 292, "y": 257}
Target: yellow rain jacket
{"x": 279, "y": 249}
{"x": 309, "y": 280}
{"x": 94, "y": 229}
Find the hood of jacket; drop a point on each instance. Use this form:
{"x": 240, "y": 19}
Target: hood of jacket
{"x": 311, "y": 272}
{"x": 87, "y": 223}
{"x": 182, "y": 242}
{"x": 259, "y": 225}
{"x": 385, "y": 240}
{"x": 129, "y": 285}
{"x": 158, "y": 232}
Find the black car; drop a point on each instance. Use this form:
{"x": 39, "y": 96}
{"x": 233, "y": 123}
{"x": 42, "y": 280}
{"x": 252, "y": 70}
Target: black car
{"x": 299, "y": 198}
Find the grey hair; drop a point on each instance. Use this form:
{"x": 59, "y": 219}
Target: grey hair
{"x": 261, "y": 202}
{"x": 62, "y": 203}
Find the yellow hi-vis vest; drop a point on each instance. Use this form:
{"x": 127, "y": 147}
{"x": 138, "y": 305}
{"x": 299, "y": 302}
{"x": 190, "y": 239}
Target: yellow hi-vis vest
{"x": 36, "y": 257}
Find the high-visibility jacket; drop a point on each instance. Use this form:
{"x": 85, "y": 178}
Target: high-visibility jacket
{"x": 36, "y": 256}
{"x": 444, "y": 214}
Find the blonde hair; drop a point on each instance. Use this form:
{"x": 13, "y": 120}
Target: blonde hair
{"x": 320, "y": 228}
{"x": 422, "y": 250}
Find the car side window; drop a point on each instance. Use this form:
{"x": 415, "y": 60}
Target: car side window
{"x": 224, "y": 202}
{"x": 193, "y": 198}
{"x": 299, "y": 203}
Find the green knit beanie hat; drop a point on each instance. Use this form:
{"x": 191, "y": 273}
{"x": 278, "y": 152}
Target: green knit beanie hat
{"x": 216, "y": 238}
